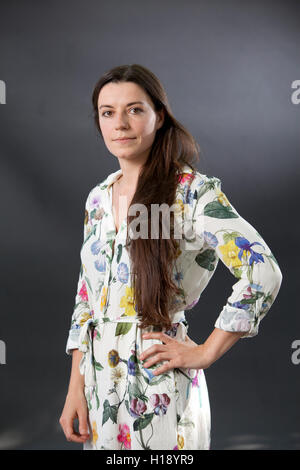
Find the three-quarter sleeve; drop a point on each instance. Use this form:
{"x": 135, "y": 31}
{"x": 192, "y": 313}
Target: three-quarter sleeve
{"x": 229, "y": 237}
{"x": 82, "y": 309}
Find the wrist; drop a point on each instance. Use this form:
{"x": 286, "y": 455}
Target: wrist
{"x": 207, "y": 359}
{"x": 75, "y": 388}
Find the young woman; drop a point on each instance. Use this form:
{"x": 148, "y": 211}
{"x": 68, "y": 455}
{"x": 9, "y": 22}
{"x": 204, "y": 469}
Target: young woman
{"x": 128, "y": 390}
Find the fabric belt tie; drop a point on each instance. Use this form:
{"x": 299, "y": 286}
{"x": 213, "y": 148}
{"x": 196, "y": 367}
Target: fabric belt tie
{"x": 86, "y": 366}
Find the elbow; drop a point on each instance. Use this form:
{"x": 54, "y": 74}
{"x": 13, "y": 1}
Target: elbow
{"x": 276, "y": 281}
{"x": 278, "y": 278}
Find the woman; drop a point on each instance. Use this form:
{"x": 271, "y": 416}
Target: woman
{"x": 131, "y": 391}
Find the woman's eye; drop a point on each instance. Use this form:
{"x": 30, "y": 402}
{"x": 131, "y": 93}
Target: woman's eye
{"x": 138, "y": 109}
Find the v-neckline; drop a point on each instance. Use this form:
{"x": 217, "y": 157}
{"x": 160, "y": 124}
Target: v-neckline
{"x": 111, "y": 205}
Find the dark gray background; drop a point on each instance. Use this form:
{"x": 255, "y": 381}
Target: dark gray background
{"x": 227, "y": 68}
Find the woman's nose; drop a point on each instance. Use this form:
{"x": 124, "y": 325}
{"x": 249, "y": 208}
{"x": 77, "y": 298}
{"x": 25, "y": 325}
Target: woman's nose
{"x": 121, "y": 121}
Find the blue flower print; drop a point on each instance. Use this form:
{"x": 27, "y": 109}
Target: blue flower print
{"x": 240, "y": 305}
{"x": 178, "y": 276}
{"x": 97, "y": 246}
{"x": 100, "y": 264}
{"x": 132, "y": 365}
{"x": 123, "y": 273}
{"x": 149, "y": 373}
{"x": 245, "y": 245}
{"x": 210, "y": 239}
{"x": 188, "y": 196}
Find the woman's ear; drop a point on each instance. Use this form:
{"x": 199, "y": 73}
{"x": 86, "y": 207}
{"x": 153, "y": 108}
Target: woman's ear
{"x": 160, "y": 118}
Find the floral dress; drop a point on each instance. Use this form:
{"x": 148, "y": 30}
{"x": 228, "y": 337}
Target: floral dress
{"x": 129, "y": 408}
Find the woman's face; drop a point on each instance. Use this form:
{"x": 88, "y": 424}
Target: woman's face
{"x": 121, "y": 116}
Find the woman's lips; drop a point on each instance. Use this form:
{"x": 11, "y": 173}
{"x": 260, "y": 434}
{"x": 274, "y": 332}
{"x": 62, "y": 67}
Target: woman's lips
{"x": 125, "y": 140}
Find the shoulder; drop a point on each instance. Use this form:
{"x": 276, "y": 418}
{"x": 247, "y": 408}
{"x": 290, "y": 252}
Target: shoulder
{"x": 196, "y": 182}
{"x": 98, "y": 193}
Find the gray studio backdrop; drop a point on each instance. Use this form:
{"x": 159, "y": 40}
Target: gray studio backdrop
{"x": 228, "y": 69}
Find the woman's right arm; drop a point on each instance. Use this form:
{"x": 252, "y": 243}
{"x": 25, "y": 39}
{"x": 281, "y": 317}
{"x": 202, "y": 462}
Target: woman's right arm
{"x": 75, "y": 404}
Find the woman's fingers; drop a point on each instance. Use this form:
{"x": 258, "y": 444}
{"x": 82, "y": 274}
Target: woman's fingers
{"x": 71, "y": 435}
{"x": 83, "y": 424}
{"x": 157, "y": 358}
{"x": 67, "y": 418}
{"x": 156, "y": 348}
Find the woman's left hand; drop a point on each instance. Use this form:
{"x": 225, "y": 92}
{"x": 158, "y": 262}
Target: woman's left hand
{"x": 187, "y": 354}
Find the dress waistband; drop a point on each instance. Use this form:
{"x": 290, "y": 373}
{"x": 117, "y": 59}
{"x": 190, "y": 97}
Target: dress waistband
{"x": 176, "y": 317}
{"x": 86, "y": 365}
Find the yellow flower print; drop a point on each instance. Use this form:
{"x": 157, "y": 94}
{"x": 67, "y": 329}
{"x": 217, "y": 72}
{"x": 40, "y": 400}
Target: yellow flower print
{"x": 95, "y": 434}
{"x": 113, "y": 358}
{"x": 127, "y": 302}
{"x": 222, "y": 198}
{"x": 84, "y": 317}
{"x": 180, "y": 441}
{"x": 230, "y": 254}
{"x": 86, "y": 217}
{"x": 179, "y": 206}
{"x": 103, "y": 298}
{"x": 178, "y": 250}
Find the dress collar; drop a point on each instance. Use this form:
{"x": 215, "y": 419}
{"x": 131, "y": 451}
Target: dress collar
{"x": 114, "y": 176}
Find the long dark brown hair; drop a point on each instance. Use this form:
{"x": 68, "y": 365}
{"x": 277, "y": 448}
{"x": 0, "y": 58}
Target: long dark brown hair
{"x": 173, "y": 147}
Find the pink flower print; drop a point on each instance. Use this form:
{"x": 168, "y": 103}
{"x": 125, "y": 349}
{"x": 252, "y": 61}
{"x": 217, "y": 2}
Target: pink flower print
{"x": 95, "y": 332}
{"x": 160, "y": 403}
{"x": 248, "y": 296}
{"x": 185, "y": 177}
{"x": 124, "y": 435}
{"x": 137, "y": 407}
{"x": 195, "y": 382}
{"x": 83, "y": 292}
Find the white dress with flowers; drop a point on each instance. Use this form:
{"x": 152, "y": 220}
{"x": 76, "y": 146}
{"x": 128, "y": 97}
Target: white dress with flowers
{"x": 129, "y": 408}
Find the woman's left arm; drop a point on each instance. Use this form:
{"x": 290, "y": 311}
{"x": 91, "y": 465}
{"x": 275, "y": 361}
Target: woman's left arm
{"x": 227, "y": 236}
{"x": 232, "y": 239}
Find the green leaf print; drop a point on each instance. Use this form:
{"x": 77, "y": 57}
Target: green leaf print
{"x": 127, "y": 406}
{"x": 109, "y": 412}
{"x": 123, "y": 328}
{"x": 227, "y": 237}
{"x": 98, "y": 366}
{"x": 218, "y": 211}
{"x": 253, "y": 298}
{"x": 97, "y": 401}
{"x": 237, "y": 272}
{"x": 142, "y": 422}
{"x": 134, "y": 391}
{"x": 206, "y": 259}
{"x": 155, "y": 379}
{"x": 106, "y": 412}
{"x": 119, "y": 253}
{"x": 114, "y": 413}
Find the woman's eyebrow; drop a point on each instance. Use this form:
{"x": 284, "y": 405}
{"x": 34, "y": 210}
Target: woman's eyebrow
{"x": 128, "y": 104}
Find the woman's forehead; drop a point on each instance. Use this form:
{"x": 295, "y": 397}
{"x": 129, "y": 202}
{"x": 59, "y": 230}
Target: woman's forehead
{"x": 123, "y": 93}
